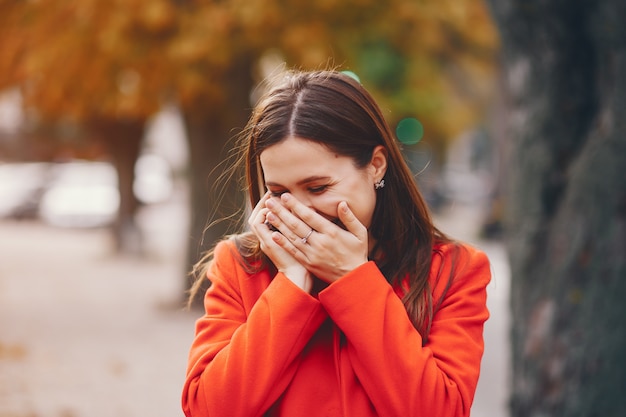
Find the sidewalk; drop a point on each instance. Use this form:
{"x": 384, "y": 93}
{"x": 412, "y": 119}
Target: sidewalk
{"x": 86, "y": 334}
{"x": 463, "y": 223}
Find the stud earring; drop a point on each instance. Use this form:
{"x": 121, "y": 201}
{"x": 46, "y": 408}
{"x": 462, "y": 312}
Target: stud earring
{"x": 379, "y": 184}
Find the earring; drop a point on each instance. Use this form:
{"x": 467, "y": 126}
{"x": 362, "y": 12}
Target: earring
{"x": 379, "y": 184}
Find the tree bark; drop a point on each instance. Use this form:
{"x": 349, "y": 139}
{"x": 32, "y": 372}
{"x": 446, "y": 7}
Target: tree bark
{"x": 217, "y": 201}
{"x": 124, "y": 138}
{"x": 564, "y": 63}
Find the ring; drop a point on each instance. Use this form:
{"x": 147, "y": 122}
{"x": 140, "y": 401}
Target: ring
{"x": 308, "y": 235}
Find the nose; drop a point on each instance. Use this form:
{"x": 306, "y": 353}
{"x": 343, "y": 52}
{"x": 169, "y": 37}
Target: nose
{"x": 303, "y": 198}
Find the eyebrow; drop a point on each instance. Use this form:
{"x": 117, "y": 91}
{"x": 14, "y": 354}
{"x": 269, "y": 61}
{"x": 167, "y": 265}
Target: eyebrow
{"x": 303, "y": 181}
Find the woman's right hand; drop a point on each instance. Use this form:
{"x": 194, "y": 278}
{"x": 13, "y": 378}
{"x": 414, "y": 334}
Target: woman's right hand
{"x": 283, "y": 261}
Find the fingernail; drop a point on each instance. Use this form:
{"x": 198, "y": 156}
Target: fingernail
{"x": 285, "y": 196}
{"x": 270, "y": 204}
{"x": 344, "y": 207}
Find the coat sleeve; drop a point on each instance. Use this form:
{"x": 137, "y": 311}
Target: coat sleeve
{"x": 400, "y": 376}
{"x": 241, "y": 361}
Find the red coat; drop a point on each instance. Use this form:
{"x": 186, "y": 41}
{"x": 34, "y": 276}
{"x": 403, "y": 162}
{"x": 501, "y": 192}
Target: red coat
{"x": 265, "y": 347}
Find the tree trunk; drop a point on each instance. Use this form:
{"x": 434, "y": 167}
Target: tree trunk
{"x": 565, "y": 68}
{"x": 217, "y": 202}
{"x": 124, "y": 138}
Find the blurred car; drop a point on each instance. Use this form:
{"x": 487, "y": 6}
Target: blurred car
{"x": 81, "y": 194}
{"x": 86, "y": 194}
{"x": 77, "y": 193}
{"x": 21, "y": 187}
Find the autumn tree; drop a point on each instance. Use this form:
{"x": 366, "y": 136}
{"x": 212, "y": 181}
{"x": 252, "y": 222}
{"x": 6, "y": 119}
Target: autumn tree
{"x": 564, "y": 65}
{"x": 431, "y": 60}
{"x": 89, "y": 64}
{"x": 111, "y": 64}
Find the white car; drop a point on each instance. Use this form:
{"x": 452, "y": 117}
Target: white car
{"x": 81, "y": 194}
{"x": 21, "y": 187}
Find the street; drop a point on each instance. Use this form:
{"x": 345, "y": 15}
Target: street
{"x": 88, "y": 334}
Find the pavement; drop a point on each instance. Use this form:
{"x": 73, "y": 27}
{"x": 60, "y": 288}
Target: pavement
{"x": 84, "y": 333}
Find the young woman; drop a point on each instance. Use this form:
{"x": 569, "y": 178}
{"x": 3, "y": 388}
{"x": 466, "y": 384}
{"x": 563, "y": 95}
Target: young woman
{"x": 342, "y": 299}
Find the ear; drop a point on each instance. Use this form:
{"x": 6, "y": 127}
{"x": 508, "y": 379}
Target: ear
{"x": 378, "y": 164}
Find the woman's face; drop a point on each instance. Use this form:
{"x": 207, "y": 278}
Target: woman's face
{"x": 322, "y": 179}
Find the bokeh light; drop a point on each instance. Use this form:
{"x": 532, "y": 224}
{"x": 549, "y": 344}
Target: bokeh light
{"x": 409, "y": 131}
{"x": 352, "y": 75}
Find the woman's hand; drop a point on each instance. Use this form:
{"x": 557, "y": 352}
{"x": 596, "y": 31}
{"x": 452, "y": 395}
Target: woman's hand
{"x": 283, "y": 261}
{"x": 328, "y": 252}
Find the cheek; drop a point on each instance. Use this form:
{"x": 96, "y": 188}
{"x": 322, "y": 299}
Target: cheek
{"x": 326, "y": 206}
{"x": 364, "y": 209}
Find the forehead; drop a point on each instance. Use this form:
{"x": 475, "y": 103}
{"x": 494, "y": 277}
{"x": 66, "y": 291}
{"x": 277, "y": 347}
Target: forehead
{"x": 295, "y": 158}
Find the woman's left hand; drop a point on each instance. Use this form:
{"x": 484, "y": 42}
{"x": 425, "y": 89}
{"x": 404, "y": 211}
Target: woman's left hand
{"x": 325, "y": 249}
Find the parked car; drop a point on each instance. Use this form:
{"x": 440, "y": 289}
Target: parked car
{"x": 77, "y": 193}
{"x": 21, "y": 188}
{"x": 81, "y": 194}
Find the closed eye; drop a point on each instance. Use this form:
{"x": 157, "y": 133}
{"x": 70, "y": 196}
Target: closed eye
{"x": 277, "y": 193}
{"x": 318, "y": 190}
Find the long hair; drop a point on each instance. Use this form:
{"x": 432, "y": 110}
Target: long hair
{"x": 333, "y": 109}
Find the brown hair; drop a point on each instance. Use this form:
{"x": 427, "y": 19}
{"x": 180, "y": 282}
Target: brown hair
{"x": 333, "y": 109}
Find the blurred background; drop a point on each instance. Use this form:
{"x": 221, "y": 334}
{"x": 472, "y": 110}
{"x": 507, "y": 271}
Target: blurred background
{"x": 118, "y": 119}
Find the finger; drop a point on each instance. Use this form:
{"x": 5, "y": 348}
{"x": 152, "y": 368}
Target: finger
{"x": 267, "y": 236}
{"x": 258, "y": 218}
{"x": 286, "y": 221}
{"x": 258, "y": 224}
{"x": 294, "y": 248}
{"x": 353, "y": 225}
{"x": 284, "y": 229}
{"x": 305, "y": 218}
{"x": 259, "y": 206}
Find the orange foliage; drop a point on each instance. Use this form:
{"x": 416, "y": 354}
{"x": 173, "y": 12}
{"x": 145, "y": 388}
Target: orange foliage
{"x": 124, "y": 58}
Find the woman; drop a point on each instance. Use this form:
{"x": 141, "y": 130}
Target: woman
{"x": 343, "y": 299}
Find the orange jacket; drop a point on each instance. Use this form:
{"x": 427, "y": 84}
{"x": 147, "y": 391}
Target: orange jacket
{"x": 267, "y": 348}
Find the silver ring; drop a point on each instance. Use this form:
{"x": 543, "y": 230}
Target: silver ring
{"x": 308, "y": 235}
